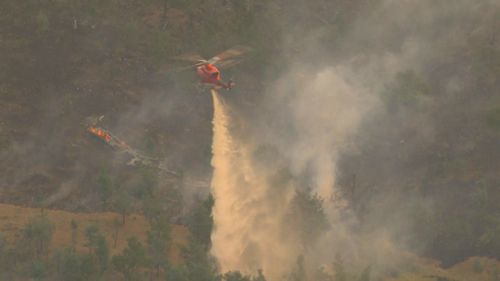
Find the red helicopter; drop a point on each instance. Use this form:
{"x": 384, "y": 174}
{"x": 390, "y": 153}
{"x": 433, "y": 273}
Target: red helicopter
{"x": 208, "y": 70}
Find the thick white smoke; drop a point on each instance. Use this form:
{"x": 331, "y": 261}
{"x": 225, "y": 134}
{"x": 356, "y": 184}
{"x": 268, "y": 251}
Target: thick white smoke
{"x": 251, "y": 200}
{"x": 324, "y": 110}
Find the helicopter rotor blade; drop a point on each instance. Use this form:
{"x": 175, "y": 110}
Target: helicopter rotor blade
{"x": 192, "y": 58}
{"x": 231, "y": 53}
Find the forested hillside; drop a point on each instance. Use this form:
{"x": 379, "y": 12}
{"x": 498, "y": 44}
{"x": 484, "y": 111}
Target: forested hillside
{"x": 407, "y": 145}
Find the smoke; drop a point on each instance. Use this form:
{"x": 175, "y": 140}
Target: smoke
{"x": 314, "y": 116}
{"x": 324, "y": 110}
{"x": 256, "y": 177}
{"x": 307, "y": 131}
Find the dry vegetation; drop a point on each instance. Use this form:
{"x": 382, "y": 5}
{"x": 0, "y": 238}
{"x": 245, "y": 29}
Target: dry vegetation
{"x": 14, "y": 218}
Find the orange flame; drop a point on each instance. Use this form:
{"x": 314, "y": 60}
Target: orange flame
{"x": 100, "y": 133}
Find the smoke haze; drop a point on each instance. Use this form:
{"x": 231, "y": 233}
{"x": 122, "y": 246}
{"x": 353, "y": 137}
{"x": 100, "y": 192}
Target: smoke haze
{"x": 358, "y": 130}
{"x": 314, "y": 118}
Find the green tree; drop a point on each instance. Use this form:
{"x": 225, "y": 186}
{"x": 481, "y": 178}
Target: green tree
{"x": 74, "y": 267}
{"x": 260, "y": 276}
{"x": 39, "y": 203}
{"x": 38, "y": 232}
{"x": 105, "y": 184}
{"x": 92, "y": 234}
{"x": 148, "y": 184}
{"x": 38, "y": 270}
{"x": 42, "y": 21}
{"x": 151, "y": 206}
{"x": 306, "y": 217}
{"x": 177, "y": 273}
{"x": 74, "y": 234}
{"x": 238, "y": 276}
{"x": 199, "y": 265}
{"x": 116, "y": 228}
{"x": 102, "y": 253}
{"x": 132, "y": 258}
{"x": 98, "y": 247}
{"x": 200, "y": 221}
{"x": 158, "y": 239}
{"x": 235, "y": 276}
{"x": 123, "y": 204}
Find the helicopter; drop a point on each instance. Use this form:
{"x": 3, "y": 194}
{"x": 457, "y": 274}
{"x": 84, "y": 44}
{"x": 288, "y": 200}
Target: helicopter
{"x": 208, "y": 70}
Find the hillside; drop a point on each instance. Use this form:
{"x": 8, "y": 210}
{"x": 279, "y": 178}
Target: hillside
{"x": 357, "y": 129}
{"x": 14, "y": 219}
